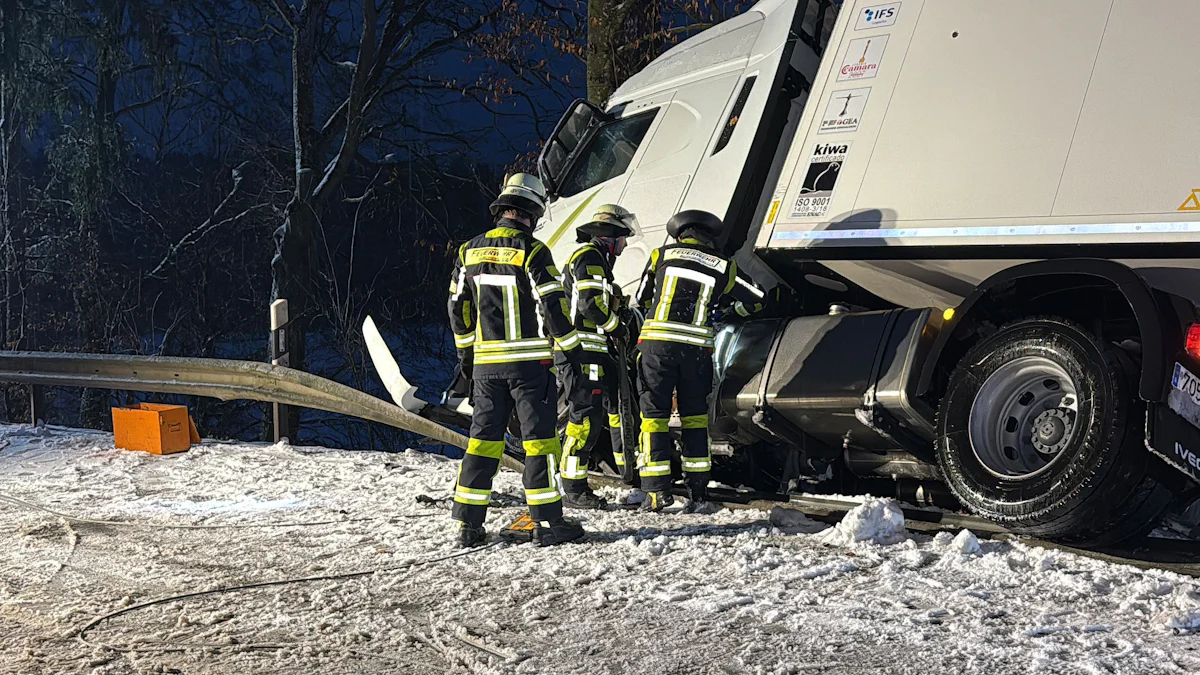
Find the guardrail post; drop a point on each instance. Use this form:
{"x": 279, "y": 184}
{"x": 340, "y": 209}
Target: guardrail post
{"x": 37, "y": 404}
{"x": 280, "y": 356}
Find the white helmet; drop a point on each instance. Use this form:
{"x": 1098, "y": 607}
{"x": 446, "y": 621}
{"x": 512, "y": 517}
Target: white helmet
{"x": 610, "y": 220}
{"x": 524, "y": 192}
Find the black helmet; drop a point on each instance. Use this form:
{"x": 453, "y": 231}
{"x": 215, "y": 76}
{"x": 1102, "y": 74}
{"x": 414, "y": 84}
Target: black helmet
{"x": 701, "y": 223}
{"x": 524, "y": 192}
{"x": 610, "y": 220}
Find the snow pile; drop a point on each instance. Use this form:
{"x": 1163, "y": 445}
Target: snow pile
{"x": 877, "y": 521}
{"x": 964, "y": 542}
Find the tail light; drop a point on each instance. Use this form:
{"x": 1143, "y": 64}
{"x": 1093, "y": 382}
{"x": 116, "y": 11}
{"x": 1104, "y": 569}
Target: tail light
{"x": 1192, "y": 345}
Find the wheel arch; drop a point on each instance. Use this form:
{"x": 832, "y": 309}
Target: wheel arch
{"x": 1155, "y": 334}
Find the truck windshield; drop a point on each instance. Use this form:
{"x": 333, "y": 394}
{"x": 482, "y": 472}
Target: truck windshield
{"x": 608, "y": 154}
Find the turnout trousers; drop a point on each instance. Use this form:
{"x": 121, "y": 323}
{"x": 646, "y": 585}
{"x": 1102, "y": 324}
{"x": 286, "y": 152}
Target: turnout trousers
{"x": 685, "y": 373}
{"x": 592, "y": 390}
{"x": 533, "y": 396}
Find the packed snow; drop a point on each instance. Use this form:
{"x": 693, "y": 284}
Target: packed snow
{"x": 735, "y": 592}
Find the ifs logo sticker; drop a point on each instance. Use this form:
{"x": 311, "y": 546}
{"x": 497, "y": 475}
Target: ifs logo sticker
{"x": 879, "y": 16}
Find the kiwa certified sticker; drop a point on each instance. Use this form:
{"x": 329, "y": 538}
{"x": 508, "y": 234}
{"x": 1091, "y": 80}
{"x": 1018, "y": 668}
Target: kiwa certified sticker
{"x": 819, "y": 183}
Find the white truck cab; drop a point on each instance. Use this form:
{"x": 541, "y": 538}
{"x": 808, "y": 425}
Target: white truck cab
{"x": 690, "y": 131}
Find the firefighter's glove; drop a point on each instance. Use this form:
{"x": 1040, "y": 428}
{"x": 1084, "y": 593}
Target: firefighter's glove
{"x": 574, "y": 356}
{"x": 620, "y": 332}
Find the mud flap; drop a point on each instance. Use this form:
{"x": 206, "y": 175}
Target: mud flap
{"x": 1174, "y": 439}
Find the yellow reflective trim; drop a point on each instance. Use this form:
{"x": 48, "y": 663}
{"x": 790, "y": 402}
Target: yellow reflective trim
{"x": 577, "y": 435}
{"x": 496, "y": 255}
{"x": 694, "y": 421}
{"x": 580, "y": 251}
{"x": 732, "y": 275}
{"x": 541, "y": 447}
{"x": 493, "y": 449}
{"x": 709, "y": 260}
{"x": 652, "y": 425}
{"x": 502, "y": 232}
{"x": 614, "y": 421}
{"x": 656, "y": 469}
{"x": 697, "y": 465}
{"x": 609, "y": 325}
{"x": 544, "y": 496}
{"x": 567, "y": 341}
{"x": 466, "y": 312}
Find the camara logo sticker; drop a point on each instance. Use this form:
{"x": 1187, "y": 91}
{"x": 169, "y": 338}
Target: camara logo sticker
{"x": 880, "y": 16}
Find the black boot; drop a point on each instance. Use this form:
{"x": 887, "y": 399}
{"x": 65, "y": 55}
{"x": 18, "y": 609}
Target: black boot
{"x": 698, "y": 501}
{"x": 584, "y": 500}
{"x": 657, "y": 501}
{"x": 557, "y": 532}
{"x": 470, "y": 536}
{"x": 701, "y": 506}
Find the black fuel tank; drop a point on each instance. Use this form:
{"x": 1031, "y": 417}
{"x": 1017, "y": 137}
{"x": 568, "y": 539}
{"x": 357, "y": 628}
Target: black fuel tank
{"x": 845, "y": 379}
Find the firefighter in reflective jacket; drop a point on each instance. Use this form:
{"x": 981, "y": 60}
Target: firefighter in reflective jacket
{"x": 683, "y": 284}
{"x": 507, "y": 310}
{"x": 591, "y": 384}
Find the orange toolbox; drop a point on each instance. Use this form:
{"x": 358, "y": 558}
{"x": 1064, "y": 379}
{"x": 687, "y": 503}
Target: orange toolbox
{"x": 153, "y": 427}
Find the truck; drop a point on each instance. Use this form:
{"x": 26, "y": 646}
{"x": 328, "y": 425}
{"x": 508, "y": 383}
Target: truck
{"x": 981, "y": 223}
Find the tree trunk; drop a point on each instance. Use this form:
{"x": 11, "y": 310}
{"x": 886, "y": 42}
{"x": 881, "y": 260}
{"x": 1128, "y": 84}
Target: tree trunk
{"x": 89, "y": 298}
{"x": 604, "y": 24}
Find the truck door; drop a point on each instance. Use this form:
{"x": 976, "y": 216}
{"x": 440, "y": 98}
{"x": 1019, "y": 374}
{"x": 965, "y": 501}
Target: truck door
{"x": 588, "y": 161}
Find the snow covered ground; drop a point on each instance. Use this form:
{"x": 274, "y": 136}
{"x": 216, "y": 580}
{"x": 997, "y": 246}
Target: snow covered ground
{"x": 731, "y": 593}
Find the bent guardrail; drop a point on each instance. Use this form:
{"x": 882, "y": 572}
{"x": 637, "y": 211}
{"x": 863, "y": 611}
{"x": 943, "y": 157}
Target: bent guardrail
{"x": 225, "y": 379}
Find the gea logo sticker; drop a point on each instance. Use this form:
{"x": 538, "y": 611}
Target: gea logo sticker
{"x": 878, "y": 17}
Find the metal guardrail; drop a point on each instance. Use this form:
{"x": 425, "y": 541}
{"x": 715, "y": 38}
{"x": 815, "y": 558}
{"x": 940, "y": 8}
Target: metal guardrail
{"x": 224, "y": 379}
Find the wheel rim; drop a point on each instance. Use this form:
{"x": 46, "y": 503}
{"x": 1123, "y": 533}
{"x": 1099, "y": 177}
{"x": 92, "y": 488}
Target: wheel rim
{"x": 1023, "y": 417}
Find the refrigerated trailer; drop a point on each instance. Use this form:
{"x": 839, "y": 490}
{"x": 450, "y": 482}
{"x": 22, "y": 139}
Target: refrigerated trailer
{"x": 980, "y": 222}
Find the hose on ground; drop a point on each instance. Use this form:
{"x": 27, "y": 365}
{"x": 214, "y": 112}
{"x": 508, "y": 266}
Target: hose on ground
{"x": 82, "y": 634}
{"x": 17, "y": 501}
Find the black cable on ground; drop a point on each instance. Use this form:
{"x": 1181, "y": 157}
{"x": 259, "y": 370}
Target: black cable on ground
{"x": 81, "y": 635}
{"x": 16, "y": 501}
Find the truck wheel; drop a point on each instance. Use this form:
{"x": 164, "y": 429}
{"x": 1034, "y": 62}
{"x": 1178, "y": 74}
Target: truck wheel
{"x": 1041, "y": 429}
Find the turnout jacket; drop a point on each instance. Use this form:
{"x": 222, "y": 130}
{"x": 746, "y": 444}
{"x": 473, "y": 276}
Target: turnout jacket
{"x": 507, "y": 303}
{"x": 682, "y": 284}
{"x": 588, "y": 285}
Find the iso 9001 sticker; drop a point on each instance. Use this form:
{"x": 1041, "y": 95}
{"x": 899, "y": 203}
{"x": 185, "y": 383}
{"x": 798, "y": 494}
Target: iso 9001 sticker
{"x": 821, "y": 180}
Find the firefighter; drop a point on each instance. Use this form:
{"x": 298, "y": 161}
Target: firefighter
{"x": 591, "y": 384}
{"x": 683, "y": 284}
{"x": 505, "y": 296}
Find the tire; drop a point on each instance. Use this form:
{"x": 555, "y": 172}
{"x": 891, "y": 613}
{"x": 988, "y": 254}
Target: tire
{"x": 1086, "y": 478}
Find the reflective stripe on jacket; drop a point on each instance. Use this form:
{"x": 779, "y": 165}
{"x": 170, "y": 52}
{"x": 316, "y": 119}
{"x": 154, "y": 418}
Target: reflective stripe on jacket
{"x": 506, "y": 302}
{"x": 588, "y": 284}
{"x": 681, "y": 287}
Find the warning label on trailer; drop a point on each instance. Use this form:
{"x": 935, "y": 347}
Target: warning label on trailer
{"x": 862, "y": 58}
{"x": 844, "y": 111}
{"x": 1192, "y": 203}
{"x": 820, "y": 181}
